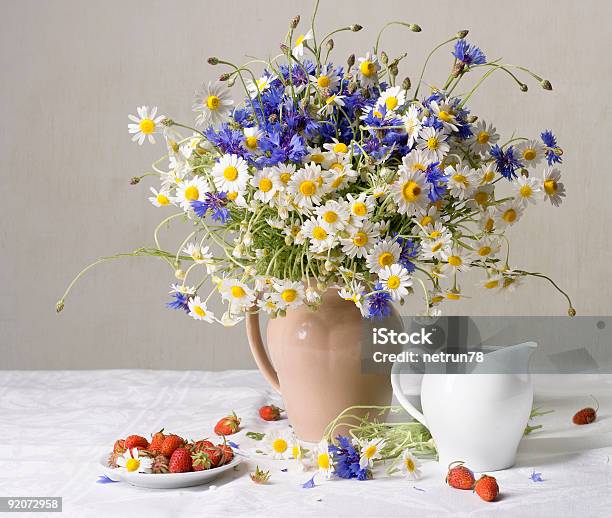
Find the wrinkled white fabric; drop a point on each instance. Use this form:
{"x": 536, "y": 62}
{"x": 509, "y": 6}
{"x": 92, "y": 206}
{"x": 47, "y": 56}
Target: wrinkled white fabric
{"x": 55, "y": 425}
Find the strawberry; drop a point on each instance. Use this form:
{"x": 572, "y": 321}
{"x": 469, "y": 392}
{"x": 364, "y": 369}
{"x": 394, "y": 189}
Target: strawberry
{"x": 459, "y": 476}
{"x": 487, "y": 488}
{"x": 228, "y": 425}
{"x": 160, "y": 464}
{"x": 112, "y": 460}
{"x": 270, "y": 413}
{"x": 119, "y": 446}
{"x": 201, "y": 461}
{"x": 156, "y": 441}
{"x": 586, "y": 415}
{"x": 227, "y": 454}
{"x": 180, "y": 461}
{"x": 201, "y": 445}
{"x": 136, "y": 441}
{"x": 171, "y": 443}
{"x": 215, "y": 454}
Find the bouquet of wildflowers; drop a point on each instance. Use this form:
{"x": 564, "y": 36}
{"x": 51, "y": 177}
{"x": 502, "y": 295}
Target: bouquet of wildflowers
{"x": 320, "y": 175}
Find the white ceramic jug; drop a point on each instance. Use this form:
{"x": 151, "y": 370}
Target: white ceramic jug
{"x": 476, "y": 418}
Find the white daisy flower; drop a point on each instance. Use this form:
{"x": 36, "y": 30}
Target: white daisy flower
{"x": 554, "y": 190}
{"x": 385, "y": 253}
{"x": 430, "y": 217}
{"x": 325, "y": 465}
{"x": 305, "y": 186}
{"x": 360, "y": 208}
{"x": 368, "y": 69}
{"x": 339, "y": 149}
{"x": 298, "y": 453}
{"x": 145, "y": 125}
{"x": 277, "y": 443}
{"x": 486, "y": 247}
{"x": 392, "y": 98}
{"x": 530, "y": 152}
{"x": 321, "y": 236}
{"x": 370, "y": 450}
{"x": 199, "y": 311}
{"x": 412, "y": 123}
{"x": 314, "y": 155}
{"x": 486, "y": 174}
{"x": 361, "y": 241}
{"x": 511, "y": 281}
{"x": 437, "y": 247}
{"x": 396, "y": 280}
{"x": 182, "y": 288}
{"x": 354, "y": 292}
{"x": 199, "y": 254}
{"x": 267, "y": 303}
{"x": 456, "y": 260}
{"x": 284, "y": 172}
{"x": 410, "y": 192}
{"x": 462, "y": 182}
{"x": 132, "y": 462}
{"x": 237, "y": 293}
{"x": 509, "y": 213}
{"x": 266, "y": 183}
{"x": 231, "y": 174}
{"x": 298, "y": 48}
{"x": 160, "y": 198}
{"x": 289, "y": 294}
{"x": 252, "y": 136}
{"x": 433, "y": 143}
{"x": 487, "y": 219}
{"x": 492, "y": 282}
{"x": 327, "y": 79}
{"x": 191, "y": 190}
{"x": 484, "y": 136}
{"x": 331, "y": 102}
{"x": 340, "y": 174}
{"x": 334, "y": 213}
{"x": 528, "y": 189}
{"x": 212, "y": 103}
{"x": 260, "y": 85}
{"x": 410, "y": 466}
{"x": 481, "y": 196}
{"x": 444, "y": 111}
{"x": 416, "y": 160}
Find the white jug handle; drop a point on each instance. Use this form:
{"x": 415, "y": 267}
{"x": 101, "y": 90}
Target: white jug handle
{"x": 403, "y": 400}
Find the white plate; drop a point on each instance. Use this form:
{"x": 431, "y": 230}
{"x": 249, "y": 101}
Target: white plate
{"x": 167, "y": 480}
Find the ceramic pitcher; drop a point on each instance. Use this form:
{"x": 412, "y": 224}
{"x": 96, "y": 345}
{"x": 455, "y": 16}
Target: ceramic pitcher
{"x": 478, "y": 418}
{"x": 316, "y": 363}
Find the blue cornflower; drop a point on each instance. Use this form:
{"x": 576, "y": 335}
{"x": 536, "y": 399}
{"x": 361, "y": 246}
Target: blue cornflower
{"x": 506, "y": 162}
{"x": 469, "y": 54}
{"x": 227, "y": 140}
{"x": 550, "y": 141}
{"x": 410, "y": 251}
{"x": 346, "y": 460}
{"x": 379, "y": 303}
{"x": 180, "y": 301}
{"x": 437, "y": 179}
{"x": 215, "y": 202}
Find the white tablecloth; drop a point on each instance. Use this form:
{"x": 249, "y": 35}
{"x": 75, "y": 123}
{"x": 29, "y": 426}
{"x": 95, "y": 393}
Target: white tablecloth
{"x": 55, "y": 425}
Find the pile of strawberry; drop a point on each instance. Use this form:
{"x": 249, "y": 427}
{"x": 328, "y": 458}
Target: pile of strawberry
{"x": 173, "y": 454}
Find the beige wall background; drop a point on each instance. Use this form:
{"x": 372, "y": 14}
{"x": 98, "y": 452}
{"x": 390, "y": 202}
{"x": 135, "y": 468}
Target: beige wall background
{"x": 72, "y": 71}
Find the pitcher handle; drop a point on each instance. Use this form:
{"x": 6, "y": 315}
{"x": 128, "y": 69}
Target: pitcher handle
{"x": 402, "y": 399}
{"x": 259, "y": 351}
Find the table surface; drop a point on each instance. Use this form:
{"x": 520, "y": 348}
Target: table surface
{"x": 55, "y": 425}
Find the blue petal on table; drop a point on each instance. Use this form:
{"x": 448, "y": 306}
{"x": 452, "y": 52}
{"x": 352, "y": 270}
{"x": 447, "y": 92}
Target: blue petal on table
{"x": 103, "y": 479}
{"x": 536, "y": 477}
{"x": 233, "y": 445}
{"x": 309, "y": 484}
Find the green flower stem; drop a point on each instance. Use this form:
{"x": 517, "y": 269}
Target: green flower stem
{"x": 416, "y": 92}
{"x": 380, "y": 33}
{"x": 156, "y": 233}
{"x": 542, "y": 276}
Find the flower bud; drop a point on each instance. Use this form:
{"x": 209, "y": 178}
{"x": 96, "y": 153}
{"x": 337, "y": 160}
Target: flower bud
{"x": 462, "y": 34}
{"x": 247, "y": 239}
{"x": 288, "y": 240}
{"x": 231, "y": 82}
{"x": 525, "y": 173}
{"x": 406, "y": 84}
{"x": 329, "y": 44}
{"x": 179, "y": 274}
{"x": 294, "y": 22}
{"x": 282, "y": 313}
{"x": 472, "y": 119}
{"x": 329, "y": 266}
{"x": 414, "y": 27}
{"x": 571, "y": 312}
{"x": 284, "y": 49}
{"x": 384, "y": 58}
{"x": 356, "y": 27}
{"x": 393, "y": 70}
{"x": 546, "y": 84}
{"x": 59, "y": 306}
{"x": 167, "y": 122}
{"x": 134, "y": 180}
{"x": 213, "y": 61}
{"x": 321, "y": 286}
{"x": 224, "y": 77}
{"x": 351, "y": 60}
{"x": 523, "y": 87}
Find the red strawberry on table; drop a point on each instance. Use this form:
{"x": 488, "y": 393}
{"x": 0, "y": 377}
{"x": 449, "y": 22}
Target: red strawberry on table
{"x": 586, "y": 415}
{"x": 136, "y": 441}
{"x": 459, "y": 476}
{"x": 171, "y": 443}
{"x": 486, "y": 487}
{"x": 228, "y": 425}
{"x": 180, "y": 461}
{"x": 270, "y": 413}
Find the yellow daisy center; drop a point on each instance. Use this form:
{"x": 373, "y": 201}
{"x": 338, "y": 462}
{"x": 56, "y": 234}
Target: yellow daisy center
{"x": 199, "y": 311}
{"x": 289, "y": 295}
{"x": 432, "y": 143}
{"x": 279, "y": 445}
{"x": 436, "y": 247}
{"x": 330, "y": 99}
{"x": 409, "y": 463}
{"x": 418, "y": 167}
{"x": 484, "y": 251}
{"x": 340, "y": 147}
{"x": 308, "y": 188}
{"x": 238, "y": 292}
{"x": 445, "y": 116}
{"x": 251, "y": 142}
{"x": 488, "y": 226}
{"x": 232, "y": 195}
{"x": 147, "y": 126}
{"x": 285, "y": 177}
{"x": 323, "y": 460}
{"x": 435, "y": 234}
{"x": 529, "y": 154}
{"x": 319, "y": 233}
{"x": 192, "y": 193}
{"x": 393, "y": 283}
{"x": 360, "y": 208}
{"x": 337, "y": 167}
{"x": 230, "y": 173}
{"x": 455, "y": 260}
{"x": 300, "y": 40}
{"x": 391, "y": 102}
{"x": 338, "y": 181}
{"x": 550, "y": 186}
{"x": 459, "y": 178}
{"x": 330, "y": 216}
{"x": 377, "y": 114}
{"x": 367, "y": 68}
{"x": 323, "y": 81}
{"x": 370, "y": 451}
{"x": 488, "y": 176}
{"x": 265, "y": 184}
{"x": 426, "y": 220}
{"x": 386, "y": 259}
{"x": 213, "y": 102}
{"x": 509, "y": 216}
{"x": 526, "y": 191}
{"x": 436, "y": 299}
{"x": 317, "y": 158}
{"x": 453, "y": 296}
{"x": 132, "y": 464}
{"x": 481, "y": 197}
{"x": 162, "y": 199}
{"x": 360, "y": 239}
{"x": 296, "y": 451}
{"x": 411, "y": 191}
{"x": 483, "y": 137}
{"x": 492, "y": 284}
